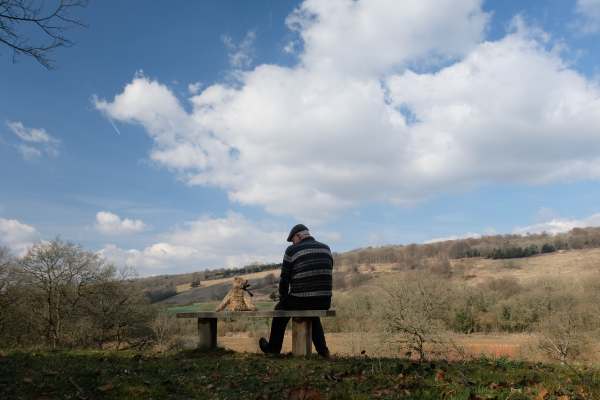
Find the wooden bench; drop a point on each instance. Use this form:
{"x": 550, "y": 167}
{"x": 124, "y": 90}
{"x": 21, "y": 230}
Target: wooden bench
{"x": 301, "y": 325}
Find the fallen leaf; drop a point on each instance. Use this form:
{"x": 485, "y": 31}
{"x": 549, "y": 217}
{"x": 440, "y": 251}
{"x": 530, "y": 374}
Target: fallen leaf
{"x": 542, "y": 393}
{"x": 439, "y": 376}
{"x": 106, "y": 388}
{"x": 304, "y": 394}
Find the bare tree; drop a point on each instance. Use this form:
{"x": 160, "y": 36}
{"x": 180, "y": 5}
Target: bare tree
{"x": 415, "y": 312}
{"x": 162, "y": 327}
{"x": 35, "y": 28}
{"x": 115, "y": 306}
{"x": 196, "y": 280}
{"x": 5, "y": 262}
{"x": 561, "y": 335}
{"x": 60, "y": 272}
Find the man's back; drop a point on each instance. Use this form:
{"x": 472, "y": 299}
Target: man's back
{"x": 307, "y": 274}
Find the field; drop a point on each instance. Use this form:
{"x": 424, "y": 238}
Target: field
{"x": 212, "y": 282}
{"x": 577, "y": 264}
{"x": 517, "y": 346}
{"x": 572, "y": 263}
{"x": 227, "y": 375}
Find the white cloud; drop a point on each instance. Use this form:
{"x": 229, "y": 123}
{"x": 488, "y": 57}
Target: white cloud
{"x": 194, "y": 88}
{"x": 34, "y": 141}
{"x": 372, "y": 37}
{"x": 17, "y": 236}
{"x": 111, "y": 224}
{"x": 29, "y": 152}
{"x": 469, "y": 235}
{"x": 589, "y": 13}
{"x": 240, "y": 54}
{"x": 559, "y": 225}
{"x": 231, "y": 241}
{"x": 352, "y": 123}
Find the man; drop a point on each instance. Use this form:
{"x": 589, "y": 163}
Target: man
{"x": 305, "y": 284}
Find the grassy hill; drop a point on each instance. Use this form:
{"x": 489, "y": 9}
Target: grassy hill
{"x": 477, "y": 270}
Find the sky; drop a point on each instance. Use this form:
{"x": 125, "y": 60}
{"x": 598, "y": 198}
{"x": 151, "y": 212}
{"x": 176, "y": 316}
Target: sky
{"x": 179, "y": 136}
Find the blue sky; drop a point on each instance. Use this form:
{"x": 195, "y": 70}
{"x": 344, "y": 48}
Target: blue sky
{"x": 176, "y": 138}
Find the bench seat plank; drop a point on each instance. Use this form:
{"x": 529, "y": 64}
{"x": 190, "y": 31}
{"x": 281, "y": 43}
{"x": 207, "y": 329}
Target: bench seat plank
{"x": 260, "y": 313}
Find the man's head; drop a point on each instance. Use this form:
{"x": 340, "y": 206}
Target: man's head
{"x": 298, "y": 233}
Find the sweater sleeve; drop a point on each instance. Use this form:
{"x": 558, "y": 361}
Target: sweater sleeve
{"x": 286, "y": 272}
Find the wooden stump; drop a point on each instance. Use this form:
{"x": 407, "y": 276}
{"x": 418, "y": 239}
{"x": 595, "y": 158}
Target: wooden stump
{"x": 301, "y": 336}
{"x": 207, "y": 333}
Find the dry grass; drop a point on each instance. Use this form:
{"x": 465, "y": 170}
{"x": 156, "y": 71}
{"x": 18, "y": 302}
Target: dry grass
{"x": 212, "y": 282}
{"x": 513, "y": 346}
{"x": 573, "y": 263}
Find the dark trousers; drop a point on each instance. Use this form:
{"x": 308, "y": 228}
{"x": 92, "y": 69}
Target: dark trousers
{"x": 296, "y": 303}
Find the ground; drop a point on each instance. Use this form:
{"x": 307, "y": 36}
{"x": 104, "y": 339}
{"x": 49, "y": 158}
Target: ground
{"x": 228, "y": 375}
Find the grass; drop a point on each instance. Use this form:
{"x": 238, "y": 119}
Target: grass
{"x": 228, "y": 375}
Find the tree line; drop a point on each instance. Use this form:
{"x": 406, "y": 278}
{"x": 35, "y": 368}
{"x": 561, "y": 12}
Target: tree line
{"x": 493, "y": 246}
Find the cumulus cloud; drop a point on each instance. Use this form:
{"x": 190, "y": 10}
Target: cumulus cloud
{"x": 231, "y": 241}
{"x": 33, "y": 141}
{"x": 17, "y": 236}
{"x": 357, "y": 120}
{"x": 372, "y": 37}
{"x": 111, "y": 224}
{"x": 589, "y": 13}
{"x": 559, "y": 225}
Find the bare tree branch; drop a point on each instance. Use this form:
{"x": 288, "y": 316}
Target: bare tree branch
{"x": 32, "y": 28}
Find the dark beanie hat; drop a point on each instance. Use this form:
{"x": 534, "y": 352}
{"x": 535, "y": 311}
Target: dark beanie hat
{"x": 296, "y": 229}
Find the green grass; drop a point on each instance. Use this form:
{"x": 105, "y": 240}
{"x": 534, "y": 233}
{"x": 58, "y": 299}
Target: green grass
{"x": 211, "y": 306}
{"x": 227, "y": 375}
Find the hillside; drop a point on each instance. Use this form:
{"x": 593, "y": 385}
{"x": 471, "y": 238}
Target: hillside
{"x": 519, "y": 256}
{"x": 473, "y": 271}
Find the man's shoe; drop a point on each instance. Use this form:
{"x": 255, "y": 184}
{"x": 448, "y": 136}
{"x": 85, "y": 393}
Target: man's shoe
{"x": 326, "y": 354}
{"x": 264, "y": 345}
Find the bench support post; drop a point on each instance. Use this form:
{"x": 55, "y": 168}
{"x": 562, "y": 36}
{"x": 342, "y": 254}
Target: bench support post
{"x": 207, "y": 333}
{"x": 301, "y": 336}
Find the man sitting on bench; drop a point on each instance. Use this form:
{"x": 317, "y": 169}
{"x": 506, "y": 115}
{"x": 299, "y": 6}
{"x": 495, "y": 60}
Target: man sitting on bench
{"x": 305, "y": 284}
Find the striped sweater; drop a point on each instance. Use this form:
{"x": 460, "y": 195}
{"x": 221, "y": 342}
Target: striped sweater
{"x": 307, "y": 270}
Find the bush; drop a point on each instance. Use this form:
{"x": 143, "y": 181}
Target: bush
{"x": 548, "y": 248}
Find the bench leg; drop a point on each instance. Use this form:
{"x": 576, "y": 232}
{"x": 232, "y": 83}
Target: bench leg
{"x": 301, "y": 336}
{"x": 207, "y": 333}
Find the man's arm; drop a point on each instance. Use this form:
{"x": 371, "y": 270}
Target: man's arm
{"x": 286, "y": 272}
